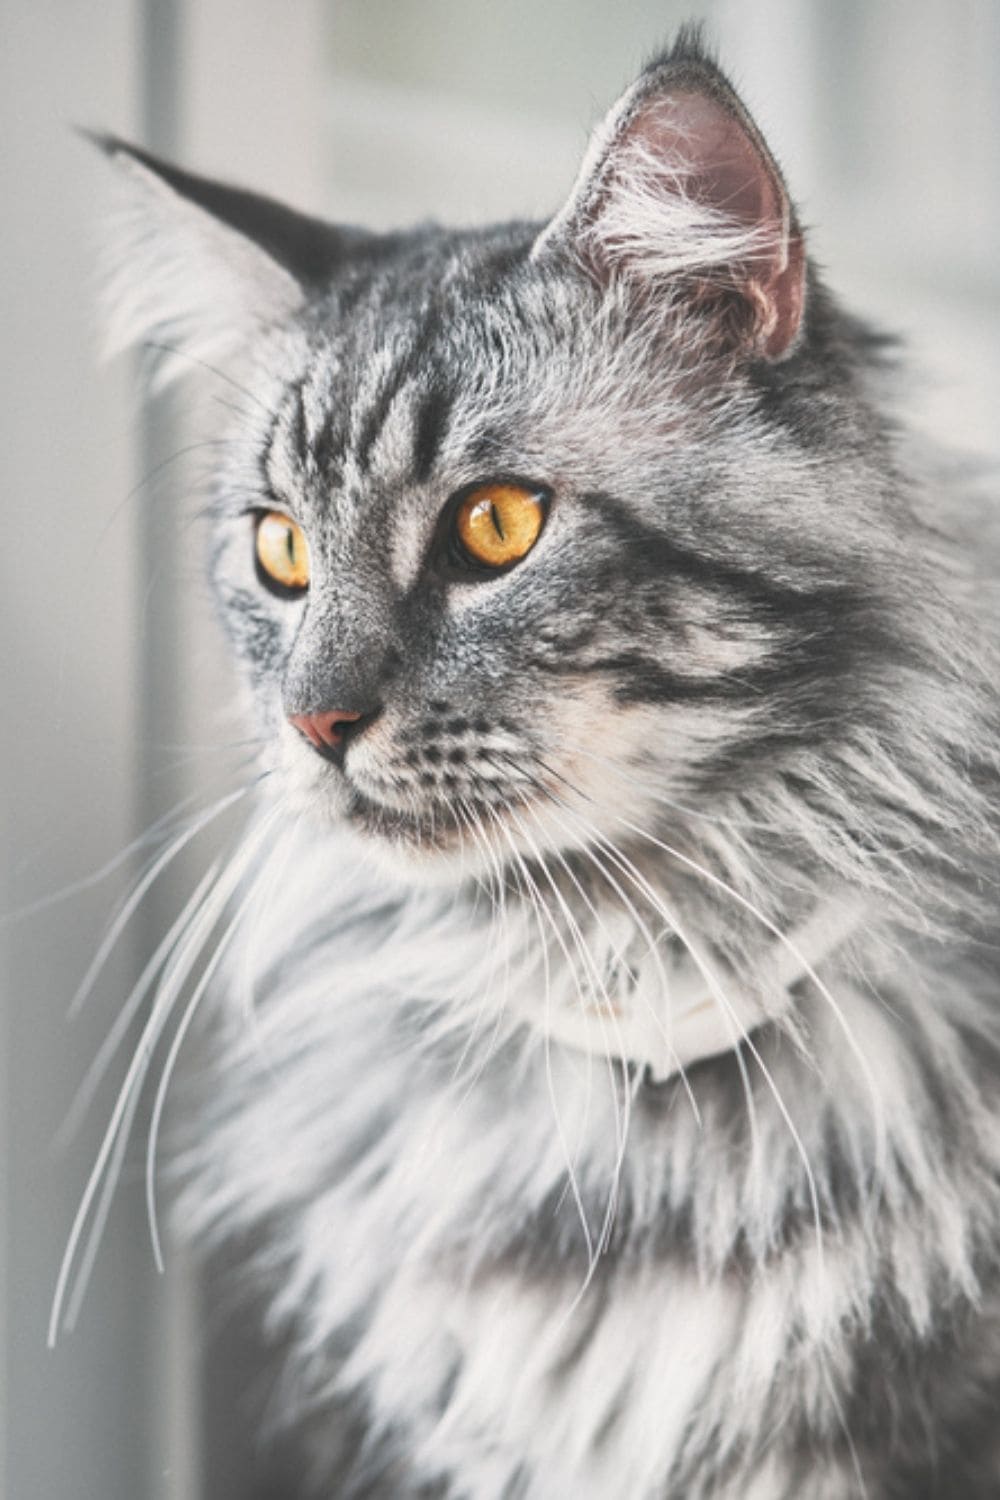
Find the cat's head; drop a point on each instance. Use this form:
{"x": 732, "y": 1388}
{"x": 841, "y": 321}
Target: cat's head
{"x": 521, "y": 530}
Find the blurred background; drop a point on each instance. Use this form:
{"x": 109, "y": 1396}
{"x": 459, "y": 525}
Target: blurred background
{"x": 886, "y": 118}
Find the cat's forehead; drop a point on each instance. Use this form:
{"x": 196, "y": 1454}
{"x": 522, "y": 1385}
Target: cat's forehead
{"x": 424, "y": 287}
{"x": 455, "y": 360}
{"x": 433, "y": 360}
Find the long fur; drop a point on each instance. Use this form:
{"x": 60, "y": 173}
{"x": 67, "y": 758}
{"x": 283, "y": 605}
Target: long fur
{"x": 744, "y": 684}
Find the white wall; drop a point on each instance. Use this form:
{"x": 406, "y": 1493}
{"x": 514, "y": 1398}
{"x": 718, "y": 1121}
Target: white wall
{"x": 68, "y": 785}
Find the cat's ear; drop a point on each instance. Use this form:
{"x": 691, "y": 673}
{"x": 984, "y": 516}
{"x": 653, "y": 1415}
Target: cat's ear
{"x": 679, "y": 197}
{"x": 195, "y": 268}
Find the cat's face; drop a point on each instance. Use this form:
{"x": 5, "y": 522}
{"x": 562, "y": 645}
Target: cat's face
{"x": 627, "y": 636}
{"x": 521, "y": 532}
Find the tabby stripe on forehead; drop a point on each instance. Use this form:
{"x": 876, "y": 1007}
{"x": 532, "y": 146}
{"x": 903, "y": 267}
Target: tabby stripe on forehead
{"x": 327, "y": 443}
{"x": 429, "y": 431}
{"x": 300, "y": 433}
{"x": 292, "y": 406}
{"x": 267, "y": 452}
{"x": 408, "y": 367}
{"x": 378, "y": 412}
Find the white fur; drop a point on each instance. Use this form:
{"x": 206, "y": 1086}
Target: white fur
{"x": 664, "y": 1359}
{"x": 180, "y": 279}
{"x": 636, "y": 211}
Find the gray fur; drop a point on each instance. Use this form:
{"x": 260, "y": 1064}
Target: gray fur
{"x": 745, "y": 675}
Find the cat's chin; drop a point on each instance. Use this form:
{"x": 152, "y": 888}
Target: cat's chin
{"x": 430, "y": 849}
{"x": 423, "y": 835}
{"x": 417, "y": 851}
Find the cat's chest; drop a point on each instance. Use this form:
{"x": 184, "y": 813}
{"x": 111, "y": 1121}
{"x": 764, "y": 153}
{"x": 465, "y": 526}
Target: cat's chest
{"x": 440, "y": 1203}
{"x": 648, "y": 1385}
{"x": 514, "y": 1367}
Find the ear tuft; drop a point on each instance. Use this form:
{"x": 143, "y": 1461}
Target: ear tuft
{"x": 195, "y": 268}
{"x": 680, "y": 198}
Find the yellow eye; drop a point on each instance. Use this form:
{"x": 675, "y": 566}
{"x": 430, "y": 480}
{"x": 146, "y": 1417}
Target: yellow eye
{"x": 282, "y": 554}
{"x": 498, "y": 524}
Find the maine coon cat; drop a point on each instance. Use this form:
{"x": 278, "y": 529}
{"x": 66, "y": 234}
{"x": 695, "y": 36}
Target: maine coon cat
{"x": 607, "y": 1026}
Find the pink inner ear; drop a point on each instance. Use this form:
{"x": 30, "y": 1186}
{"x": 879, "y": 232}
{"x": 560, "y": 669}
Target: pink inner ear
{"x": 721, "y": 165}
{"x": 711, "y": 155}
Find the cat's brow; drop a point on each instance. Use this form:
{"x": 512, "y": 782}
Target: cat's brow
{"x": 285, "y": 450}
{"x": 327, "y": 447}
{"x": 374, "y": 420}
{"x": 412, "y": 375}
{"x": 430, "y": 429}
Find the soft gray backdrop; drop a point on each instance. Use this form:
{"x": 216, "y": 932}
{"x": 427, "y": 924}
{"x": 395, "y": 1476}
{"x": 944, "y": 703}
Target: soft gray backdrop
{"x": 887, "y": 119}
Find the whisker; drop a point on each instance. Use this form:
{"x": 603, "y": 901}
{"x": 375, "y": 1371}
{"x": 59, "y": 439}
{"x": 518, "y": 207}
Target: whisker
{"x": 92, "y": 1079}
{"x": 179, "y": 353}
{"x": 118, "y": 926}
{"x": 737, "y": 1031}
{"x": 247, "y": 854}
{"x": 740, "y": 1032}
{"x": 806, "y": 968}
{"x": 103, "y": 872}
{"x": 615, "y": 767}
{"x": 540, "y": 907}
{"x": 747, "y": 1040}
{"x": 621, "y": 1122}
{"x": 147, "y": 479}
{"x": 179, "y": 967}
{"x": 102, "y": 1210}
{"x": 651, "y": 940}
{"x": 498, "y": 932}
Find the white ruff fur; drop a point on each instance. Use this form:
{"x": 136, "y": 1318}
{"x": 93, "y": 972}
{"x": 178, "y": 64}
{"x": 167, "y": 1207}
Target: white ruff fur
{"x": 396, "y": 1122}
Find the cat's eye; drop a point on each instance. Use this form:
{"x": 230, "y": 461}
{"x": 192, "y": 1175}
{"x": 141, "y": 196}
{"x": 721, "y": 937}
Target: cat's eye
{"x": 281, "y": 554}
{"x": 497, "y": 524}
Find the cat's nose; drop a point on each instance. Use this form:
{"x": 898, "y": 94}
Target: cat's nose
{"x": 329, "y": 731}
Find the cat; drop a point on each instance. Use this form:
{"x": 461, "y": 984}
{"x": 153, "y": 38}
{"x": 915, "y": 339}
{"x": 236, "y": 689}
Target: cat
{"x": 607, "y": 1032}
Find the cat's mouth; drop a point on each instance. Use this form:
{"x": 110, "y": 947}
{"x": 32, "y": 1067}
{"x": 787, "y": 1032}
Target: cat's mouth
{"x": 476, "y": 828}
{"x": 435, "y": 828}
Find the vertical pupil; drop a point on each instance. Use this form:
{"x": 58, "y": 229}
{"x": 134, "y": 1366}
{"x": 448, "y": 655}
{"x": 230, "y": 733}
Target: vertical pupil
{"x": 497, "y": 523}
{"x": 290, "y": 545}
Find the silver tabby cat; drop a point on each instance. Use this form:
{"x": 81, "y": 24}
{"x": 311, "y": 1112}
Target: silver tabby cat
{"x": 607, "y": 1047}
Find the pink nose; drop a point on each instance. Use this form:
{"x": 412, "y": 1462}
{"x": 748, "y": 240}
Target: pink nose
{"x": 324, "y": 729}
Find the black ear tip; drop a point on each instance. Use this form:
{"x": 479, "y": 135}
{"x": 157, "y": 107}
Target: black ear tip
{"x": 102, "y": 139}
{"x": 690, "y": 46}
{"x": 108, "y": 144}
